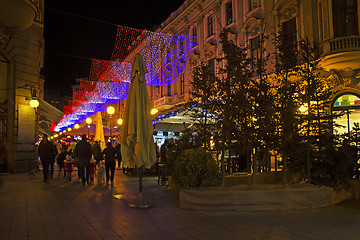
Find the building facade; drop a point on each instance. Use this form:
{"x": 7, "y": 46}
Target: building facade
{"x": 331, "y": 25}
{"x": 21, "y": 59}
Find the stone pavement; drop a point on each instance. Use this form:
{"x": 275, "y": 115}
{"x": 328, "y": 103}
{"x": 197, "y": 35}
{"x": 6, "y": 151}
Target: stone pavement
{"x": 31, "y": 209}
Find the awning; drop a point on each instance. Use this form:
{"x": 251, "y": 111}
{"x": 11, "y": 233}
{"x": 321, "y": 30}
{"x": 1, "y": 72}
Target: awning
{"x": 170, "y": 127}
{"x": 49, "y": 111}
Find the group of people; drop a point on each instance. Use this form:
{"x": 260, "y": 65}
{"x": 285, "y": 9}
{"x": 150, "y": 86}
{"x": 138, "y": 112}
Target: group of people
{"x": 85, "y": 156}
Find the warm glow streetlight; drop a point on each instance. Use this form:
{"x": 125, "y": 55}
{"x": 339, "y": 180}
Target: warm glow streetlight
{"x": 88, "y": 121}
{"x": 76, "y": 126}
{"x": 110, "y": 110}
{"x": 34, "y": 103}
{"x": 154, "y": 111}
{"x": 69, "y": 129}
{"x": 120, "y": 121}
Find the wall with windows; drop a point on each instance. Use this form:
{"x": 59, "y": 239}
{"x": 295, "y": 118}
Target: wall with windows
{"x": 331, "y": 25}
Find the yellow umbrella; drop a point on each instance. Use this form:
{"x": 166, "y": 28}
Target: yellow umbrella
{"x": 137, "y": 144}
{"x": 99, "y": 131}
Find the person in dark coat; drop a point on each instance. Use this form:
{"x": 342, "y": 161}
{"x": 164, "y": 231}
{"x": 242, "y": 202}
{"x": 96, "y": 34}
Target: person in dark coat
{"x": 97, "y": 152}
{"x": 110, "y": 156}
{"x": 118, "y": 155}
{"x": 46, "y": 153}
{"x": 60, "y": 160}
{"x": 52, "y": 161}
{"x": 83, "y": 153}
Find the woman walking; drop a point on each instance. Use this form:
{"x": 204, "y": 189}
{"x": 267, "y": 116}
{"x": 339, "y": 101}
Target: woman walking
{"x": 110, "y": 156}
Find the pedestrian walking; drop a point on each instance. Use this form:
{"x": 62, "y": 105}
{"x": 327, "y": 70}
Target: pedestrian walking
{"x": 52, "y": 160}
{"x": 97, "y": 152}
{"x": 60, "y": 160}
{"x": 118, "y": 154}
{"x": 92, "y": 169}
{"x": 68, "y": 164}
{"x": 46, "y": 152}
{"x": 83, "y": 153}
{"x": 110, "y": 156}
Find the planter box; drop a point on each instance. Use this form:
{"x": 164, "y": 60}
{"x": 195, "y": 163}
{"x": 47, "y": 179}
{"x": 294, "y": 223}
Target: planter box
{"x": 259, "y": 197}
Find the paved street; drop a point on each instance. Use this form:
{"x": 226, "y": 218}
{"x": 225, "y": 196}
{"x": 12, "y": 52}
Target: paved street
{"x": 31, "y": 209}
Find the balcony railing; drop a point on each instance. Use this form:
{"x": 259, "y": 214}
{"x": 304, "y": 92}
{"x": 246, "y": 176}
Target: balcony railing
{"x": 167, "y": 100}
{"x": 342, "y": 44}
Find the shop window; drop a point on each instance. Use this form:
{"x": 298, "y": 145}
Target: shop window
{"x": 350, "y": 105}
{"x": 210, "y": 26}
{"x": 229, "y": 13}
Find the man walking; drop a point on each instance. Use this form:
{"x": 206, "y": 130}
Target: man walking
{"x": 83, "y": 153}
{"x": 46, "y": 152}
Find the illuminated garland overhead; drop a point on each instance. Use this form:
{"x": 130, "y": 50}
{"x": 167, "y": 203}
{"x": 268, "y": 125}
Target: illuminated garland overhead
{"x": 165, "y": 56}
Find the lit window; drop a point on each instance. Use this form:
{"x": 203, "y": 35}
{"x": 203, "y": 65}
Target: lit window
{"x": 210, "y": 26}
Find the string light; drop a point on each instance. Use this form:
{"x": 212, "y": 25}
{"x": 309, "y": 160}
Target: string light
{"x": 165, "y": 56}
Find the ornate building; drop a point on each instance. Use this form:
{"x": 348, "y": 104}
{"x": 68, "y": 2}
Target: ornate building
{"x": 21, "y": 58}
{"x": 331, "y": 25}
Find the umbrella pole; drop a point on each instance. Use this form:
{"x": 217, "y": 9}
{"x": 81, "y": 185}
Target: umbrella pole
{"x": 140, "y": 203}
{"x": 140, "y": 183}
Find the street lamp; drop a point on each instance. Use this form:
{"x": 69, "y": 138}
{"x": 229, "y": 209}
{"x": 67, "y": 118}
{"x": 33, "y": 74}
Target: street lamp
{"x": 88, "y": 121}
{"x": 110, "y": 110}
{"x": 34, "y": 103}
{"x": 120, "y": 121}
{"x": 76, "y": 126}
{"x": 154, "y": 111}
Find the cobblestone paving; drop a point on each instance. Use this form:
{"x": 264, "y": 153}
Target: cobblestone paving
{"x": 31, "y": 209}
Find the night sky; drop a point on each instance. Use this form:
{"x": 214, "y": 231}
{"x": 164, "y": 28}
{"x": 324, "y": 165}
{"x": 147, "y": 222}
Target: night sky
{"x": 71, "y": 41}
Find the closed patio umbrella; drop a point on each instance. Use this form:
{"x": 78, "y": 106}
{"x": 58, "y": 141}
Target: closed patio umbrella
{"x": 99, "y": 131}
{"x": 137, "y": 144}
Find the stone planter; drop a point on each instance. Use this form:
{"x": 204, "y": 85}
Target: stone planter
{"x": 259, "y": 197}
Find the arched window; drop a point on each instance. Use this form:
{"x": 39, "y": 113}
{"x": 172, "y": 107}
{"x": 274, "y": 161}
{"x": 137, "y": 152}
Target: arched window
{"x": 350, "y": 105}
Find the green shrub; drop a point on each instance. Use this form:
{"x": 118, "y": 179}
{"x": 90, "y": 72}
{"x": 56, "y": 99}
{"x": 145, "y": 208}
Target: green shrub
{"x": 194, "y": 168}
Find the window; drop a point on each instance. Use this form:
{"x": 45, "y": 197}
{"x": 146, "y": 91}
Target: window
{"x": 345, "y": 20}
{"x": 182, "y": 84}
{"x": 350, "y": 104}
{"x": 169, "y": 90}
{"x": 210, "y": 22}
{"x": 254, "y": 48}
{"x": 211, "y": 64}
{"x": 194, "y": 34}
{"x": 161, "y": 91}
{"x": 253, "y": 4}
{"x": 229, "y": 13}
{"x": 289, "y": 39}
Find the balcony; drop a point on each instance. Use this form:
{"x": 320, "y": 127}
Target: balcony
{"x": 17, "y": 14}
{"x": 341, "y": 53}
{"x": 163, "y": 103}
